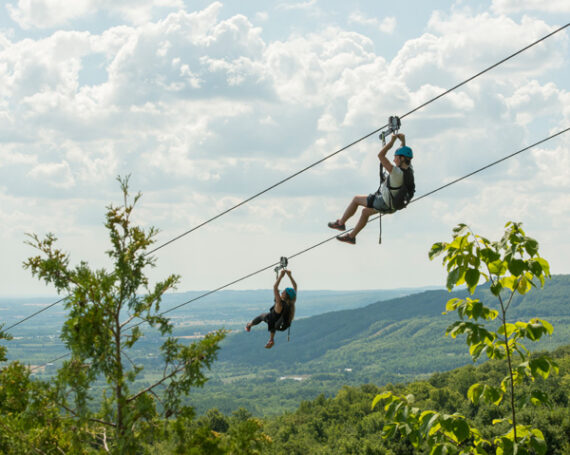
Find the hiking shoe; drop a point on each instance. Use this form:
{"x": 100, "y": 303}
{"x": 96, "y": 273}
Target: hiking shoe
{"x": 336, "y": 225}
{"x": 347, "y": 239}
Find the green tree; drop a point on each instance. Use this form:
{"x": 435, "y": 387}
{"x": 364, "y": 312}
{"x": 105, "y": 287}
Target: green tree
{"x": 511, "y": 266}
{"x": 214, "y": 434}
{"x": 103, "y": 325}
{"x": 245, "y": 435}
{"x": 3, "y": 350}
{"x": 30, "y": 422}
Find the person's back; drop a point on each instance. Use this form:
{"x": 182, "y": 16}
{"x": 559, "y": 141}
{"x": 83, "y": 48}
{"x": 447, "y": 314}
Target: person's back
{"x": 285, "y": 319}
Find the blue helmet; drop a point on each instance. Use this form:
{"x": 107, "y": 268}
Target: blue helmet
{"x": 405, "y": 151}
{"x": 291, "y": 293}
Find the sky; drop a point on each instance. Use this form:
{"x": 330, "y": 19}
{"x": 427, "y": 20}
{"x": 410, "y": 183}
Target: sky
{"x": 205, "y": 103}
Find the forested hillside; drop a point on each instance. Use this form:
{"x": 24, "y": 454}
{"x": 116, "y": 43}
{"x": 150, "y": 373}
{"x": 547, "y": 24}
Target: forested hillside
{"x": 346, "y": 424}
{"x": 406, "y": 319}
{"x": 390, "y": 341}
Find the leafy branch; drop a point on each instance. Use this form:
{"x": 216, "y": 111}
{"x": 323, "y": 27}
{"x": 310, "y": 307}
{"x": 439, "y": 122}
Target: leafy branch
{"x": 511, "y": 266}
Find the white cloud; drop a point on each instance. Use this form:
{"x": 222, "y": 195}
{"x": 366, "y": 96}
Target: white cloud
{"x": 31, "y": 67}
{"x": 386, "y": 25}
{"x": 46, "y": 14}
{"x": 20, "y": 215}
{"x": 310, "y": 70}
{"x": 139, "y": 12}
{"x": 466, "y": 43}
{"x": 205, "y": 110}
{"x": 533, "y": 100}
{"x": 55, "y": 174}
{"x": 10, "y": 158}
{"x": 92, "y": 162}
{"x": 553, "y": 169}
{"x": 188, "y": 54}
{"x": 261, "y": 16}
{"x": 523, "y": 6}
{"x": 296, "y": 6}
{"x": 157, "y": 73}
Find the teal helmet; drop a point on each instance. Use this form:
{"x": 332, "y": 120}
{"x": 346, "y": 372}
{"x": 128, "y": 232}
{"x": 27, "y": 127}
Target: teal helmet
{"x": 404, "y": 151}
{"x": 291, "y": 293}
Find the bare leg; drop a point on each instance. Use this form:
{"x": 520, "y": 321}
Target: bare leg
{"x": 351, "y": 209}
{"x": 366, "y": 212}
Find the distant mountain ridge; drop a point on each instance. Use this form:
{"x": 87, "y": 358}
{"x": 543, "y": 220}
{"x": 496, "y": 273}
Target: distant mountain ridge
{"x": 397, "y": 329}
{"x": 224, "y": 306}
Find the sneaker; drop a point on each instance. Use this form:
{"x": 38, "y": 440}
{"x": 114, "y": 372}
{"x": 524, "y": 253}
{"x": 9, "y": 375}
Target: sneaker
{"x": 347, "y": 239}
{"x": 248, "y": 328}
{"x": 336, "y": 225}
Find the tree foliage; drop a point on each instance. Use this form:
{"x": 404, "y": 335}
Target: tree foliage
{"x": 511, "y": 266}
{"x": 105, "y": 312}
{"x": 215, "y": 434}
{"x": 30, "y": 421}
{"x": 3, "y": 336}
{"x": 345, "y": 423}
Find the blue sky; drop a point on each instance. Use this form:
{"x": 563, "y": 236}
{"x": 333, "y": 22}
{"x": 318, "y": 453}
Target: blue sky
{"x": 206, "y": 103}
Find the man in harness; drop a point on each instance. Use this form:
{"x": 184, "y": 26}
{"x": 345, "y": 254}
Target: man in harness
{"x": 394, "y": 193}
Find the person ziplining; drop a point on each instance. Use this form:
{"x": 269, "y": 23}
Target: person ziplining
{"x": 282, "y": 313}
{"x": 395, "y": 191}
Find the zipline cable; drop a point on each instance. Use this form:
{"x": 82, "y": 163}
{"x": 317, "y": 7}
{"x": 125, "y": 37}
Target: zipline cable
{"x": 43, "y": 365}
{"x": 299, "y": 253}
{"x": 484, "y": 71}
{"x": 249, "y": 199}
{"x": 34, "y": 314}
{"x": 490, "y": 165}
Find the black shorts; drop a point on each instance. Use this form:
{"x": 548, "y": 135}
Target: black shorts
{"x": 376, "y": 201}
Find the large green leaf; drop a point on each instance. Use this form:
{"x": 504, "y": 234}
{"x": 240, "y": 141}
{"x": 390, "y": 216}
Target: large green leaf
{"x": 538, "y": 397}
{"x": 472, "y": 279}
{"x": 545, "y": 265}
{"x": 541, "y": 366}
{"x": 461, "y": 430}
{"x": 516, "y": 266}
{"x": 509, "y": 282}
{"x": 498, "y": 267}
{"x": 453, "y": 277}
{"x": 507, "y": 329}
{"x": 436, "y": 249}
{"x": 537, "y": 442}
{"x": 385, "y": 396}
{"x": 474, "y": 393}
